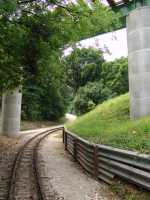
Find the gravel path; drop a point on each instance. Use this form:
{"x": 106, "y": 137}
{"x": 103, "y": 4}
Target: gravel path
{"x": 8, "y": 151}
{"x": 67, "y": 178}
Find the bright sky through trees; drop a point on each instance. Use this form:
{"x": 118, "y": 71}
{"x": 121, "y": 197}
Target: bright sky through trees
{"x": 113, "y": 44}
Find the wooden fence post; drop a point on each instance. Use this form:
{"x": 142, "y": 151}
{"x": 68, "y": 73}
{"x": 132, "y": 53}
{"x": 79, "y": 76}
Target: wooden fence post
{"x": 75, "y": 148}
{"x": 63, "y": 135}
{"x": 65, "y": 139}
{"x": 95, "y": 161}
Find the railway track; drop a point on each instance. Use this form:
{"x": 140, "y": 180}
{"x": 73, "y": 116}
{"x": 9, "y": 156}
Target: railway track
{"x": 26, "y": 180}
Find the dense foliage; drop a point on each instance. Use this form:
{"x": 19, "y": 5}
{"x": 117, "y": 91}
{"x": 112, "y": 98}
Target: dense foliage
{"x": 94, "y": 80}
{"x": 33, "y": 35}
{"x": 83, "y": 66}
{"x": 115, "y": 76}
{"x": 88, "y": 96}
{"x": 45, "y": 97}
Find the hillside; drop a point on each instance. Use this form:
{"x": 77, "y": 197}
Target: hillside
{"x": 109, "y": 124}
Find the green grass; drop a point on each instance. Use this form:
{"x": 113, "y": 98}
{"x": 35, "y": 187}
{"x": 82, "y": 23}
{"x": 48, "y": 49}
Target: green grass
{"x": 127, "y": 191}
{"x": 109, "y": 124}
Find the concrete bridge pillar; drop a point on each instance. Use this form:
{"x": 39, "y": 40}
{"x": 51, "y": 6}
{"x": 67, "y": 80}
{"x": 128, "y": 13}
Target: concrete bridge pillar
{"x": 11, "y": 113}
{"x": 138, "y": 34}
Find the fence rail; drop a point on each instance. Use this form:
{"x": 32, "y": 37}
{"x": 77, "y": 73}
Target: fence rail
{"x": 104, "y": 162}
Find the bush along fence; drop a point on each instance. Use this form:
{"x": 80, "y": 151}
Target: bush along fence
{"x": 106, "y": 163}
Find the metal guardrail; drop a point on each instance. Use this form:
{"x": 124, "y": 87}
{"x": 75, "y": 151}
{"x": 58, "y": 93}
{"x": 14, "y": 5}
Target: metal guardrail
{"x": 104, "y": 162}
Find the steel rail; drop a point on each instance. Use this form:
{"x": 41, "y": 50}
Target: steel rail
{"x": 40, "y": 136}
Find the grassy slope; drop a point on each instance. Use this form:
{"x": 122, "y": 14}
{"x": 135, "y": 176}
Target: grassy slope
{"x": 109, "y": 124}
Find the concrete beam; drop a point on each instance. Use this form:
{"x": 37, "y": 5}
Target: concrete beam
{"x": 138, "y": 34}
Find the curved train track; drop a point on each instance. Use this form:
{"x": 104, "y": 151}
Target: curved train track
{"x": 26, "y": 181}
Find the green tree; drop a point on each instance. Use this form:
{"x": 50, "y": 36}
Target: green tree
{"x": 88, "y": 96}
{"x": 30, "y": 31}
{"x": 45, "y": 96}
{"x": 33, "y": 37}
{"x": 115, "y": 75}
{"x": 110, "y": 80}
{"x": 83, "y": 66}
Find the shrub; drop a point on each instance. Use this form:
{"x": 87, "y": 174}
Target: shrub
{"x": 89, "y": 96}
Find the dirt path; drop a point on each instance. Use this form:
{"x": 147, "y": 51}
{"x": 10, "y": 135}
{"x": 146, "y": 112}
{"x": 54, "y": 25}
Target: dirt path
{"x": 67, "y": 178}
